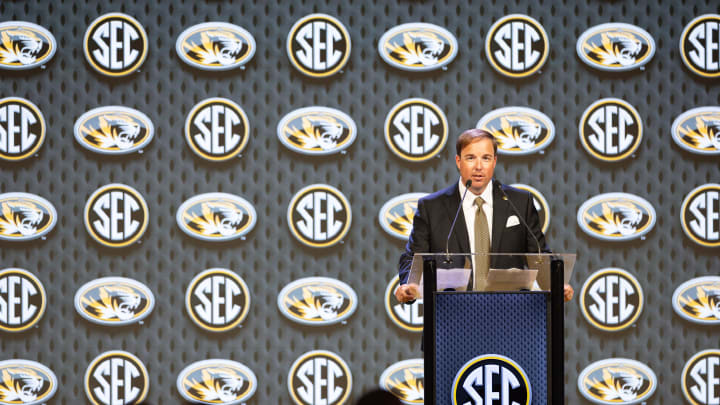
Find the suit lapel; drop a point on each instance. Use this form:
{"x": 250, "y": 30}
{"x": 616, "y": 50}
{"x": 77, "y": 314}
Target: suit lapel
{"x": 501, "y": 211}
{"x": 460, "y": 233}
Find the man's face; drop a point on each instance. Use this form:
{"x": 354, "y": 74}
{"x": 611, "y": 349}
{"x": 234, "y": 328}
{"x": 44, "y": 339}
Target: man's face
{"x": 477, "y": 163}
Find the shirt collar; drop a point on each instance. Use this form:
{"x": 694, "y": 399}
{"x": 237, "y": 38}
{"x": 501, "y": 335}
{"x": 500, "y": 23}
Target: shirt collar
{"x": 486, "y": 195}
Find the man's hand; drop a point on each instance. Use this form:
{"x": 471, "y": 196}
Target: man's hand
{"x": 568, "y": 292}
{"x": 406, "y": 292}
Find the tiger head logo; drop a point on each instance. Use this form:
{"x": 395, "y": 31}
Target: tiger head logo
{"x": 318, "y": 132}
{"x": 616, "y": 48}
{"x": 318, "y": 302}
{"x": 114, "y": 303}
{"x": 517, "y": 131}
{"x": 410, "y": 387}
{"x": 20, "y": 218}
{"x": 20, "y": 46}
{"x": 119, "y": 131}
{"x": 402, "y": 221}
{"x": 418, "y": 48}
{"x": 618, "y": 383}
{"x": 217, "y": 47}
{"x": 706, "y": 133}
{"x": 217, "y": 218}
{"x": 218, "y": 384}
{"x": 21, "y": 385}
{"x": 618, "y": 218}
{"x": 705, "y": 303}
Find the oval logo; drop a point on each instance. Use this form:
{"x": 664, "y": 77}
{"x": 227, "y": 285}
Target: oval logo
{"x": 700, "y": 45}
{"x": 114, "y": 301}
{"x": 25, "y": 216}
{"x": 116, "y": 215}
{"x": 615, "y": 47}
{"x": 216, "y": 381}
{"x": 116, "y": 377}
{"x": 610, "y": 129}
{"x": 216, "y": 217}
{"x": 317, "y": 301}
{"x": 517, "y": 46}
{"x": 540, "y": 203}
{"x": 617, "y": 381}
{"x": 611, "y": 299}
{"x": 698, "y": 300}
{"x": 215, "y": 46}
{"x": 317, "y": 131}
{"x": 318, "y": 45}
{"x": 700, "y": 215}
{"x": 418, "y": 47}
{"x": 26, "y": 382}
{"x": 396, "y": 216}
{"x": 217, "y": 300}
{"x": 25, "y": 45}
{"x": 406, "y": 380}
{"x": 518, "y": 130}
{"x": 470, "y": 385}
{"x": 115, "y": 44}
{"x": 217, "y": 129}
{"x": 319, "y": 215}
{"x": 616, "y": 217}
{"x": 700, "y": 383}
{"x": 407, "y": 316}
{"x": 114, "y": 130}
{"x": 22, "y": 128}
{"x": 22, "y": 300}
{"x": 416, "y": 129}
{"x": 319, "y": 377}
{"x": 698, "y": 130}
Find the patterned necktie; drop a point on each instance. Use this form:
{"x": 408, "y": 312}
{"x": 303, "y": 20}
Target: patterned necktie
{"x": 482, "y": 245}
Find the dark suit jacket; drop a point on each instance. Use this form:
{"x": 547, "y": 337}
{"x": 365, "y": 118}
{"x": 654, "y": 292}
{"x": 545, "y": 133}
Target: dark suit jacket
{"x": 435, "y": 214}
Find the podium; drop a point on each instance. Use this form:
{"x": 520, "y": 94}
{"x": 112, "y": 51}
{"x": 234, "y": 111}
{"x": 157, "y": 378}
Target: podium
{"x": 503, "y": 347}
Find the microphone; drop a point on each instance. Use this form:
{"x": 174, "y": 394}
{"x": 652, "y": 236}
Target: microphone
{"x": 517, "y": 213}
{"x": 447, "y": 243}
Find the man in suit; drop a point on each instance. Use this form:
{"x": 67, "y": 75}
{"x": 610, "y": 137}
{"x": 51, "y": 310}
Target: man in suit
{"x": 486, "y": 203}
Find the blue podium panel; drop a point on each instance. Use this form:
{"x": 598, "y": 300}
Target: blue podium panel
{"x": 504, "y": 332}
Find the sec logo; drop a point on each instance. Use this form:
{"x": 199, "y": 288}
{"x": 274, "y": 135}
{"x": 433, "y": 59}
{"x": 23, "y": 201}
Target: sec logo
{"x": 116, "y": 215}
{"x": 700, "y": 215}
{"x": 217, "y": 300}
{"x": 319, "y": 377}
{"x": 22, "y": 300}
{"x": 611, "y": 299}
{"x": 22, "y": 128}
{"x": 416, "y": 129}
{"x": 517, "y": 46}
{"x": 217, "y": 129}
{"x": 319, "y": 215}
{"x": 115, "y": 44}
{"x": 700, "y": 378}
{"x": 610, "y": 130}
{"x": 318, "y": 45}
{"x": 491, "y": 377}
{"x": 116, "y": 377}
{"x": 700, "y": 45}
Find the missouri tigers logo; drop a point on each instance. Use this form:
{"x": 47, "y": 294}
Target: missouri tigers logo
{"x": 700, "y": 45}
{"x": 699, "y": 380}
{"x": 25, "y": 216}
{"x": 22, "y": 300}
{"x": 25, "y": 45}
{"x": 396, "y": 216}
{"x": 22, "y": 128}
{"x": 698, "y": 300}
{"x": 615, "y": 47}
{"x": 317, "y": 301}
{"x": 116, "y": 377}
{"x": 114, "y": 301}
{"x": 616, "y": 216}
{"x": 406, "y": 380}
{"x": 215, "y": 46}
{"x": 216, "y": 381}
{"x": 115, "y": 44}
{"x": 114, "y": 130}
{"x": 617, "y": 381}
{"x": 318, "y": 45}
{"x": 540, "y": 203}
{"x": 319, "y": 377}
{"x": 698, "y": 130}
{"x": 517, "y": 46}
{"x": 317, "y": 131}
{"x": 418, "y": 47}
{"x": 26, "y": 382}
{"x": 518, "y": 130}
{"x": 216, "y": 217}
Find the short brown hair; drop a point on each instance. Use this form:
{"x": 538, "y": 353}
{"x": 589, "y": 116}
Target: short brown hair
{"x": 471, "y": 135}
